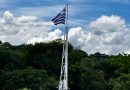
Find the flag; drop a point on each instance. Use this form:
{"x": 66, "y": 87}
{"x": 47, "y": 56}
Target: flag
{"x": 60, "y": 18}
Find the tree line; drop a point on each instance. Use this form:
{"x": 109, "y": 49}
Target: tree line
{"x": 37, "y": 67}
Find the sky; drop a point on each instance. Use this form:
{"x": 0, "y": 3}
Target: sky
{"x": 94, "y": 25}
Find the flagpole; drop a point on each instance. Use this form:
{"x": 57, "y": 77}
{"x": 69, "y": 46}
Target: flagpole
{"x": 63, "y": 84}
{"x": 66, "y": 46}
{"x": 66, "y": 30}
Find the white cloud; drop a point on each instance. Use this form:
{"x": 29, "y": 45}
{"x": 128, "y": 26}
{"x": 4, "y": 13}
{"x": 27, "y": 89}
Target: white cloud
{"x": 19, "y": 30}
{"x": 24, "y": 19}
{"x": 106, "y": 24}
{"x": 50, "y": 36}
{"x": 77, "y": 37}
{"x": 55, "y": 34}
{"x": 8, "y": 17}
{"x": 108, "y": 34}
{"x": 40, "y": 11}
{"x": 35, "y": 40}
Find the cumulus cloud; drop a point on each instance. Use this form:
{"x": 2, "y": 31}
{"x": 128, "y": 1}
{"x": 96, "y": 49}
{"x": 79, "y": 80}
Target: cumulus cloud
{"x": 17, "y": 30}
{"x": 50, "y": 36}
{"x": 107, "y": 24}
{"x": 25, "y": 19}
{"x": 106, "y": 34}
{"x": 77, "y": 37}
{"x": 8, "y": 17}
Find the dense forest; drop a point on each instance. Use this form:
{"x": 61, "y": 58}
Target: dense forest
{"x": 37, "y": 67}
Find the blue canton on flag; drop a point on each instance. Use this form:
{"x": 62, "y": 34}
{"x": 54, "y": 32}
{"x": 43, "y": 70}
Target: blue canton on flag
{"x": 60, "y": 18}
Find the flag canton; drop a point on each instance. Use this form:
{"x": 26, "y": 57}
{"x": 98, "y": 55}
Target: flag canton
{"x": 60, "y": 18}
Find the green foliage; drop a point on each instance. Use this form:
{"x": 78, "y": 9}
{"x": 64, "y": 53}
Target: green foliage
{"x": 120, "y": 83}
{"x": 24, "y": 89}
{"x": 121, "y": 64}
{"x": 91, "y": 79}
{"x": 37, "y": 67}
{"x": 31, "y": 78}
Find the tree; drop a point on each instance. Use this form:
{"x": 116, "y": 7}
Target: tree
{"x": 84, "y": 76}
{"x": 31, "y": 78}
{"x": 120, "y": 83}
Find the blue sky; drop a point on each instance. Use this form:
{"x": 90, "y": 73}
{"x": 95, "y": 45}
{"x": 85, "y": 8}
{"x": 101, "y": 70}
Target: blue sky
{"x": 81, "y": 11}
{"x": 95, "y": 25}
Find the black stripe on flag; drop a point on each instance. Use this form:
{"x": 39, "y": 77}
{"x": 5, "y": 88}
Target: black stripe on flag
{"x": 60, "y": 18}
{"x": 60, "y": 22}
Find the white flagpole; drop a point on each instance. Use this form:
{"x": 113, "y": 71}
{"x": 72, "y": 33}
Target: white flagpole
{"x": 66, "y": 47}
{"x": 63, "y": 84}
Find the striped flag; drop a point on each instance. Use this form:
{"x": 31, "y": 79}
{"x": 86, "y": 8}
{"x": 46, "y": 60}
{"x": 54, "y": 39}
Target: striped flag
{"x": 60, "y": 18}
